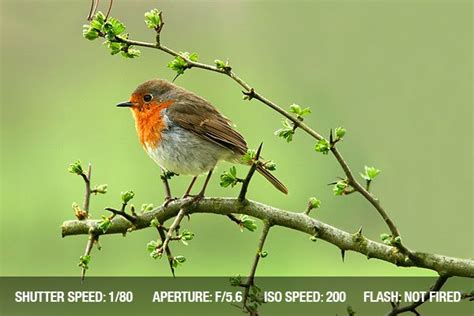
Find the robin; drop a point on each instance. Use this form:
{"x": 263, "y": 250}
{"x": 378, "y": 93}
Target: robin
{"x": 185, "y": 134}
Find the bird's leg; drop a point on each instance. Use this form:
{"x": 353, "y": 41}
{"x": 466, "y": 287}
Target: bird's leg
{"x": 188, "y": 191}
{"x": 203, "y": 190}
{"x": 168, "y": 197}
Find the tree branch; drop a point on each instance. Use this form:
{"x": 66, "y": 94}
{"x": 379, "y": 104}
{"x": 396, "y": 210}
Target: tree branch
{"x": 447, "y": 266}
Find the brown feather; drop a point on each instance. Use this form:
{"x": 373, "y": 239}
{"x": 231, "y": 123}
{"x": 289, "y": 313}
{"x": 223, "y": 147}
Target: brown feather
{"x": 195, "y": 114}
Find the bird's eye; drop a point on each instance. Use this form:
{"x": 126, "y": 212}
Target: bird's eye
{"x": 147, "y": 97}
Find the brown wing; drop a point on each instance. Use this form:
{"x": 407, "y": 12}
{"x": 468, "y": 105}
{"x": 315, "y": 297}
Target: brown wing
{"x": 195, "y": 114}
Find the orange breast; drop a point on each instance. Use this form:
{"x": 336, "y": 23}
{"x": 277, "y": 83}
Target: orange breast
{"x": 149, "y": 122}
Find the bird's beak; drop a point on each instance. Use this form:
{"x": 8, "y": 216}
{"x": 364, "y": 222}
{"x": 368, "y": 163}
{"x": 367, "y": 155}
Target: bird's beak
{"x": 127, "y": 104}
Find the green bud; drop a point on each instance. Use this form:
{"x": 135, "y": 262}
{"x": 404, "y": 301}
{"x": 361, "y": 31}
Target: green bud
{"x": 152, "y": 18}
{"x": 314, "y": 202}
{"x": 340, "y": 132}
{"x": 340, "y": 187}
{"x": 147, "y": 207}
{"x": 99, "y": 18}
{"x": 386, "y": 238}
{"x": 76, "y": 168}
{"x": 127, "y": 196}
{"x": 322, "y": 146}
{"x": 270, "y": 165}
{"x": 156, "y": 254}
{"x": 220, "y": 64}
{"x": 154, "y": 222}
{"x": 313, "y": 238}
{"x": 89, "y": 33}
{"x": 101, "y": 189}
{"x": 235, "y": 280}
{"x": 249, "y": 156}
{"x": 263, "y": 254}
{"x": 186, "y": 236}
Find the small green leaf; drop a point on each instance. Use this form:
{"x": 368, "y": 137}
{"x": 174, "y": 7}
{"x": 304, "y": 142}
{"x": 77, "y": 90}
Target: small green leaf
{"x": 249, "y": 156}
{"x": 370, "y": 173}
{"x": 247, "y": 223}
{"x": 179, "y": 65}
{"x": 130, "y": 53}
{"x": 263, "y": 254}
{"x": 286, "y": 132}
{"x": 229, "y": 178}
{"x": 152, "y": 246}
{"x": 193, "y": 56}
{"x": 323, "y": 146}
{"x": 84, "y": 261}
{"x": 114, "y": 27}
{"x": 178, "y": 260}
{"x": 127, "y": 196}
{"x": 76, "y": 168}
{"x": 152, "y": 18}
{"x": 340, "y": 132}
{"x": 186, "y": 236}
{"x": 313, "y": 238}
{"x": 104, "y": 224}
{"x": 296, "y": 109}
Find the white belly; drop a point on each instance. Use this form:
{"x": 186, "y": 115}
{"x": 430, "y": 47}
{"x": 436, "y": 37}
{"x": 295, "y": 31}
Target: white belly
{"x": 183, "y": 152}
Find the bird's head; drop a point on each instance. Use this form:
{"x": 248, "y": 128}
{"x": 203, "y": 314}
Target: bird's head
{"x": 150, "y": 97}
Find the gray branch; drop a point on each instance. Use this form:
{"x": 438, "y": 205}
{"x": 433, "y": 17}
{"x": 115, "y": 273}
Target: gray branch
{"x": 446, "y": 266}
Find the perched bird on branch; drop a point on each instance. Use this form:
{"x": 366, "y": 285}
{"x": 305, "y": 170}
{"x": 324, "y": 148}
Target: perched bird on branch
{"x": 185, "y": 134}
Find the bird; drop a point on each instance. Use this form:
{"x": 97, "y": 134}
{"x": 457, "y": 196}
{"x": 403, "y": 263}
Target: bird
{"x": 185, "y": 134}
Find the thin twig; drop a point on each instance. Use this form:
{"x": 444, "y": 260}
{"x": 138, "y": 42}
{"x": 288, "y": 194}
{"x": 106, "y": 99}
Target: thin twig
{"x": 93, "y": 238}
{"x": 87, "y": 193}
{"x": 169, "y": 234}
{"x": 251, "y": 279}
{"x": 132, "y": 219}
{"x": 248, "y": 178}
{"x": 110, "y": 8}
{"x": 161, "y": 232}
{"x": 412, "y": 307}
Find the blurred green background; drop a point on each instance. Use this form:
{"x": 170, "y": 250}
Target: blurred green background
{"x": 396, "y": 74}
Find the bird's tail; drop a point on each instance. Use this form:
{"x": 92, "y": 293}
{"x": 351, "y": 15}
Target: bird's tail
{"x": 272, "y": 179}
